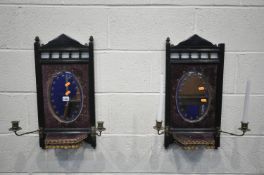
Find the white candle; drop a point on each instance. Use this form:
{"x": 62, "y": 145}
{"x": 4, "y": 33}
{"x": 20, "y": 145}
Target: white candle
{"x": 161, "y": 100}
{"x": 246, "y": 103}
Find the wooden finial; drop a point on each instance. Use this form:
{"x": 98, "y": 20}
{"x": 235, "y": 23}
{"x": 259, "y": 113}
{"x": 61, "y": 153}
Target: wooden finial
{"x": 37, "y": 39}
{"x": 168, "y": 40}
{"x": 91, "y": 39}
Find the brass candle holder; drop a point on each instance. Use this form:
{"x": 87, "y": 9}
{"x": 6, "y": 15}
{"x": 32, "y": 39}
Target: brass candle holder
{"x": 100, "y": 128}
{"x": 244, "y": 128}
{"x": 15, "y": 128}
{"x": 159, "y": 127}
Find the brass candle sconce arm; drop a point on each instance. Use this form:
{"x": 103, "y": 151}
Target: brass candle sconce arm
{"x": 95, "y": 131}
{"x": 244, "y": 128}
{"x": 15, "y": 128}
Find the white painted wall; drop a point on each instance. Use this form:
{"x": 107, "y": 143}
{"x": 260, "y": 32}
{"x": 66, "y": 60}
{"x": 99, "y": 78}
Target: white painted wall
{"x": 129, "y": 57}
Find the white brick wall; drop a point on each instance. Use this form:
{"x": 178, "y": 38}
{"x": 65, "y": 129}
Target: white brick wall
{"x": 129, "y": 57}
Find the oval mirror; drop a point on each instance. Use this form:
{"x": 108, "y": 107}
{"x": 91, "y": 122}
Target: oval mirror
{"x": 192, "y": 97}
{"x": 65, "y": 97}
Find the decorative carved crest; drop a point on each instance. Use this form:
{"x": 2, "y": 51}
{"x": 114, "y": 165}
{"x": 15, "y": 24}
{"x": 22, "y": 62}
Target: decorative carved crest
{"x": 195, "y": 41}
{"x": 61, "y": 42}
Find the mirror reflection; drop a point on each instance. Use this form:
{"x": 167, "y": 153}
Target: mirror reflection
{"x": 192, "y": 96}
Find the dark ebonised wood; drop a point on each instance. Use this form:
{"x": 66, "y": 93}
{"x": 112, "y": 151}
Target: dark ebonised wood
{"x": 194, "y": 44}
{"x": 63, "y": 43}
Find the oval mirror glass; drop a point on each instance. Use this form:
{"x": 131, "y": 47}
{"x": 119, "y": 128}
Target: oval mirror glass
{"x": 192, "y": 97}
{"x": 65, "y": 97}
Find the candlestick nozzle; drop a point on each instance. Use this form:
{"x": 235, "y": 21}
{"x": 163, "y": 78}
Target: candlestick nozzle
{"x": 15, "y": 126}
{"x": 244, "y": 127}
{"x": 159, "y": 127}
